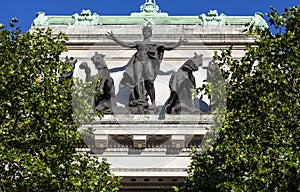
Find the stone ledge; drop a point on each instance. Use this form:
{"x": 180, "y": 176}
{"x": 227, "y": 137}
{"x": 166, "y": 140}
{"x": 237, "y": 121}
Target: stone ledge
{"x": 157, "y": 129}
{"x": 154, "y": 119}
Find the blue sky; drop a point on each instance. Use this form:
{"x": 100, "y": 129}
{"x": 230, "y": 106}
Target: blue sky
{"x": 25, "y": 10}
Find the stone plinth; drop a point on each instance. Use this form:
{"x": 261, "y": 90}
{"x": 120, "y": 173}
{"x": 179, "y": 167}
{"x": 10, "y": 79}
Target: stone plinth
{"x": 145, "y": 146}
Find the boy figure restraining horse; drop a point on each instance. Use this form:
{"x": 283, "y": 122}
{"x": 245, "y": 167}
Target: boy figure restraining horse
{"x": 105, "y": 90}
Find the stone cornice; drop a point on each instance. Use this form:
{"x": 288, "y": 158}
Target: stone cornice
{"x": 87, "y": 18}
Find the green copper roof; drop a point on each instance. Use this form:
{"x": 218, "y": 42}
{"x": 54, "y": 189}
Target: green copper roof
{"x": 149, "y": 14}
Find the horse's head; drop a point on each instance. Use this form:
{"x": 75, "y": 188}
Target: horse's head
{"x": 98, "y": 60}
{"x": 71, "y": 62}
{"x": 197, "y": 61}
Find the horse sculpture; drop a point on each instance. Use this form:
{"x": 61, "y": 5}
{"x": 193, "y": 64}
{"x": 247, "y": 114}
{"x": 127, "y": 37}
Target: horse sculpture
{"x": 181, "y": 85}
{"x": 68, "y": 73}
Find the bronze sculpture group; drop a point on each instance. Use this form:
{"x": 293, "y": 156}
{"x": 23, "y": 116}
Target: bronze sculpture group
{"x": 140, "y": 74}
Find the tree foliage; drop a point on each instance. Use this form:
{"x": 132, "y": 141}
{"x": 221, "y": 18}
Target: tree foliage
{"x": 37, "y": 133}
{"x": 258, "y": 148}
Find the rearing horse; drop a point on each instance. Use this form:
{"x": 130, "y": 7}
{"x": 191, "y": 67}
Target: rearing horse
{"x": 181, "y": 85}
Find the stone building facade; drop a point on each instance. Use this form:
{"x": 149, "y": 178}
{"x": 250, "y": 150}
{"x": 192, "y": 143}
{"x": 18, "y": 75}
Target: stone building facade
{"x": 149, "y": 153}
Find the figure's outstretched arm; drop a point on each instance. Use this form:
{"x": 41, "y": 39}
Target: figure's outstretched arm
{"x": 179, "y": 43}
{"x": 87, "y": 71}
{"x": 111, "y": 36}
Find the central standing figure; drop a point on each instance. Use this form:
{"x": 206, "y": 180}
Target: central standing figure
{"x": 142, "y": 69}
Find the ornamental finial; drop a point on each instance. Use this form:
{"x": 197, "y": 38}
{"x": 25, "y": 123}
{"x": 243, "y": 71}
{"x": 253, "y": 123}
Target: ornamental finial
{"x": 149, "y": 7}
